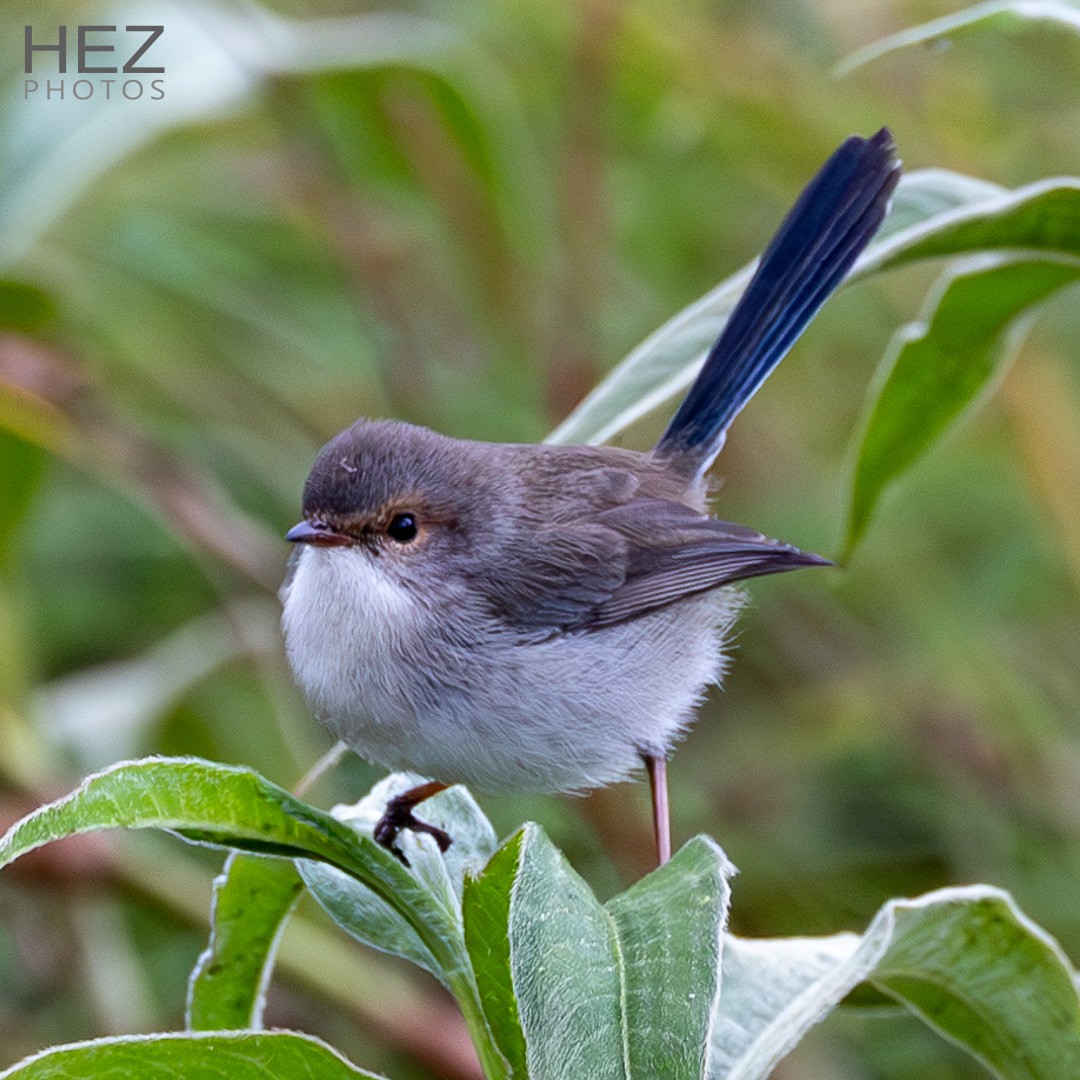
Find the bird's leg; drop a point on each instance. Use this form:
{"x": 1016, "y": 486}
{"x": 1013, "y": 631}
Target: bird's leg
{"x": 399, "y": 815}
{"x": 321, "y": 768}
{"x": 657, "y": 768}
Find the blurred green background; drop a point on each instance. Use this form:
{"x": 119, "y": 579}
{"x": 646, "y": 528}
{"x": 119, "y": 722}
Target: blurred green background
{"x": 462, "y": 215}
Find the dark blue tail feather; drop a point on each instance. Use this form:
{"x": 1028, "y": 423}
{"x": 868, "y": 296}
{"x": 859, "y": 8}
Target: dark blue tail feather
{"x": 819, "y": 240}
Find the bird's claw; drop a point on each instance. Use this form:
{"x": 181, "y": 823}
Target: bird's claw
{"x": 398, "y": 816}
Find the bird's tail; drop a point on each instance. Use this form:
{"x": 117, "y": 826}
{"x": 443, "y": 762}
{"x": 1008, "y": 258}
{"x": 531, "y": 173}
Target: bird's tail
{"x": 815, "y": 246}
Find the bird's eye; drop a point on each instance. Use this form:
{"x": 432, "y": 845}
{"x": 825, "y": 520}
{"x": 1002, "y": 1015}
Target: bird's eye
{"x": 402, "y": 528}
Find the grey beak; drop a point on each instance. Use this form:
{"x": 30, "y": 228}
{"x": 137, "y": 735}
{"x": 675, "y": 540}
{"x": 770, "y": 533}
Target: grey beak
{"x": 318, "y": 533}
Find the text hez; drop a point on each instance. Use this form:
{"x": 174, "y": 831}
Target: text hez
{"x": 84, "y": 47}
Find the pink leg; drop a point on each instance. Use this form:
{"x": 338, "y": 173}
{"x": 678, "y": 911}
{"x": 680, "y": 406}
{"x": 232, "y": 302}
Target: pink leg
{"x": 657, "y": 768}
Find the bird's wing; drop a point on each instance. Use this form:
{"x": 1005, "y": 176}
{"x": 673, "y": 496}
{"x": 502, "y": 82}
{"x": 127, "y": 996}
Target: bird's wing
{"x": 675, "y": 552}
{"x": 627, "y": 561}
{"x": 551, "y": 577}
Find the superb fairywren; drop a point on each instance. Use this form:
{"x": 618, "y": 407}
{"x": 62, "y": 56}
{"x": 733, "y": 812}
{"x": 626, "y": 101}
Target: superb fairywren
{"x": 547, "y": 618}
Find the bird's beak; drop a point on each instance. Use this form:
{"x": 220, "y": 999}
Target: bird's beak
{"x": 317, "y": 533}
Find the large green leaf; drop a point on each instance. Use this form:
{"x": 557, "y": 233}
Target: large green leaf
{"x": 572, "y": 988}
{"x": 670, "y": 926}
{"x": 966, "y": 960}
{"x": 239, "y": 1055}
{"x": 253, "y": 896}
{"x": 772, "y": 992}
{"x": 925, "y": 195}
{"x": 565, "y": 969}
{"x": 234, "y": 807}
{"x": 935, "y": 213}
{"x": 665, "y": 363}
{"x": 365, "y": 915}
{"x": 1042, "y": 218}
{"x": 995, "y": 14}
{"x": 227, "y": 806}
{"x": 936, "y": 368}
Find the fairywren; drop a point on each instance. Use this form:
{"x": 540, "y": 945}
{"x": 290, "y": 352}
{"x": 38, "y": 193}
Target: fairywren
{"x": 547, "y": 618}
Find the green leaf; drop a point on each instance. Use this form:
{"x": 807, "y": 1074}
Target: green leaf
{"x": 486, "y": 911}
{"x": 772, "y": 992}
{"x": 572, "y": 988}
{"x": 230, "y": 806}
{"x": 226, "y": 805}
{"x": 670, "y": 926}
{"x": 435, "y": 882}
{"x": 1039, "y": 218}
{"x": 565, "y": 968}
{"x": 980, "y": 972}
{"x": 366, "y": 916}
{"x": 996, "y": 14}
{"x": 935, "y": 369}
{"x": 935, "y": 213}
{"x": 925, "y": 195}
{"x": 206, "y": 1056}
{"x": 965, "y": 960}
{"x": 253, "y": 897}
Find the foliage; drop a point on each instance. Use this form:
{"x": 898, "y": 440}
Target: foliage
{"x": 551, "y": 982}
{"x": 368, "y": 213}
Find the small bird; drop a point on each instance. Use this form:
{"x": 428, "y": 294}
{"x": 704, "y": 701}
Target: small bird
{"x": 548, "y": 618}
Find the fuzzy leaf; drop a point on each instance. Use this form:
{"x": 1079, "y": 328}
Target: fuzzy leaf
{"x": 565, "y": 968}
{"x": 229, "y": 806}
{"x": 369, "y": 918}
{"x": 253, "y": 897}
{"x": 935, "y": 369}
{"x": 995, "y": 14}
{"x": 670, "y": 926}
{"x": 573, "y": 988}
{"x": 239, "y": 1055}
{"x": 934, "y": 213}
{"x": 965, "y": 960}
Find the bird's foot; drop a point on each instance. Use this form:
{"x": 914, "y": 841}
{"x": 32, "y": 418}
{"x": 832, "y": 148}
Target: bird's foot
{"x": 399, "y": 815}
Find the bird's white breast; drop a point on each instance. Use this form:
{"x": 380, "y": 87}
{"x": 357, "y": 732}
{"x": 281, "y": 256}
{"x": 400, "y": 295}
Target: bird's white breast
{"x": 570, "y": 712}
{"x": 343, "y": 619}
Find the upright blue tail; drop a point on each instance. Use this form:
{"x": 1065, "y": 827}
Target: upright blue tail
{"x": 817, "y": 243}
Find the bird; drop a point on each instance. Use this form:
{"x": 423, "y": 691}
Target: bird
{"x": 548, "y": 618}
